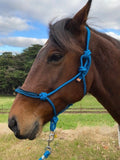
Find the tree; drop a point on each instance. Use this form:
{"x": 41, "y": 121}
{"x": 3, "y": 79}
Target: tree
{"x": 14, "y": 68}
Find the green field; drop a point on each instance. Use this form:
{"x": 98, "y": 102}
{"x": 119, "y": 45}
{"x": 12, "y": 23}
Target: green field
{"x": 68, "y": 121}
{"x": 87, "y": 102}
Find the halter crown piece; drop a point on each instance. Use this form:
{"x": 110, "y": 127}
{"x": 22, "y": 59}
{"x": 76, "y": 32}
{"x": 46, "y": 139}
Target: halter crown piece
{"x": 85, "y": 63}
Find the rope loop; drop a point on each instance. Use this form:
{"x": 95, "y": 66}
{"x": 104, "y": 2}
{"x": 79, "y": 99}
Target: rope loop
{"x": 85, "y": 63}
{"x": 43, "y": 96}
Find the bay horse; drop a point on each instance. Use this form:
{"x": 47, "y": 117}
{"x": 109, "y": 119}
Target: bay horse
{"x": 56, "y": 63}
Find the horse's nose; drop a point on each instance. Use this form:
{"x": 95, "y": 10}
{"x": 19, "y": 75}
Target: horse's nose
{"x": 12, "y": 124}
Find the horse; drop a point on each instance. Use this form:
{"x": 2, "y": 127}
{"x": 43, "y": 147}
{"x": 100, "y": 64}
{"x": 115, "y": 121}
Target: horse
{"x": 56, "y": 63}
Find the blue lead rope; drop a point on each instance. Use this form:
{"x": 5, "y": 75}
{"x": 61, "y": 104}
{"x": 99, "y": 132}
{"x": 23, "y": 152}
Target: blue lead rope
{"x": 45, "y": 155}
{"x": 85, "y": 63}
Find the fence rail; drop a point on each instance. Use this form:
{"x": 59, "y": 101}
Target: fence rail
{"x": 86, "y": 110}
{"x": 3, "y": 110}
{"x": 70, "y": 110}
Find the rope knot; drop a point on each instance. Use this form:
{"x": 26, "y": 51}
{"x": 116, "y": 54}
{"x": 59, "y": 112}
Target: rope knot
{"x": 87, "y": 53}
{"x": 53, "y": 123}
{"x": 82, "y": 69}
{"x": 43, "y": 96}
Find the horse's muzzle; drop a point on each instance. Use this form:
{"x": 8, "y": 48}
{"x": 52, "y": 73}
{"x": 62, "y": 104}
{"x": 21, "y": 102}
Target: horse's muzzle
{"x": 13, "y": 125}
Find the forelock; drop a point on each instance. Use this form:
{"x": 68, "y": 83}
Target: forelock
{"x": 63, "y": 37}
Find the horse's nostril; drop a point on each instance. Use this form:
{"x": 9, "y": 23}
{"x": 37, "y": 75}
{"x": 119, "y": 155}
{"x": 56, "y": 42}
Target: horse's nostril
{"x": 12, "y": 124}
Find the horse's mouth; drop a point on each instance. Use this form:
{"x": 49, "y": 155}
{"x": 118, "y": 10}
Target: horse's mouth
{"x": 31, "y": 135}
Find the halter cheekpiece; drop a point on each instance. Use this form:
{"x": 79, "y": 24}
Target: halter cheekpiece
{"x": 85, "y": 63}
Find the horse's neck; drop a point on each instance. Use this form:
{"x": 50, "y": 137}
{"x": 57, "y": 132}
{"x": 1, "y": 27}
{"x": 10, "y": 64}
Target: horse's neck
{"x": 106, "y": 68}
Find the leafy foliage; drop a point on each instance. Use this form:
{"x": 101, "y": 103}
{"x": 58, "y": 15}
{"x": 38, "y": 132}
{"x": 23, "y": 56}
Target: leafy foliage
{"x": 14, "y": 68}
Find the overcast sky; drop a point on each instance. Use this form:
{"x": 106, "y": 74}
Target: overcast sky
{"x": 25, "y": 22}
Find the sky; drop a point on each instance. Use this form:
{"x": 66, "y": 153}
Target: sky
{"x": 25, "y": 22}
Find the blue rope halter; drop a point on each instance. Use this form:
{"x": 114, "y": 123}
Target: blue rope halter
{"x": 85, "y": 62}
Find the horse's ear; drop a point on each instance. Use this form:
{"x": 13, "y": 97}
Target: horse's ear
{"x": 79, "y": 19}
{"x": 81, "y": 16}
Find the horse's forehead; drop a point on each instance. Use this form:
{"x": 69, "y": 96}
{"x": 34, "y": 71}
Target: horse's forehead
{"x": 49, "y": 47}
{"x": 44, "y": 47}
{"x": 44, "y": 50}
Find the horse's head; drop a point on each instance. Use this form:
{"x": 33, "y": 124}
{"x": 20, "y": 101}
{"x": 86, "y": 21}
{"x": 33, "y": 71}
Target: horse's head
{"x": 57, "y": 62}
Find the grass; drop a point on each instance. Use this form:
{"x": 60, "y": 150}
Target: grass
{"x": 85, "y": 146}
{"x": 6, "y": 101}
{"x": 3, "y": 118}
{"x": 87, "y": 102}
{"x": 71, "y": 121}
{"x": 79, "y": 137}
{"x": 68, "y": 121}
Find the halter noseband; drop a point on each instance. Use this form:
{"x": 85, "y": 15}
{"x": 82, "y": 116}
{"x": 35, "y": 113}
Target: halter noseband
{"x": 85, "y": 62}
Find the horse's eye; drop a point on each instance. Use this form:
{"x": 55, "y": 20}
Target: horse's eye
{"x": 55, "y": 57}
